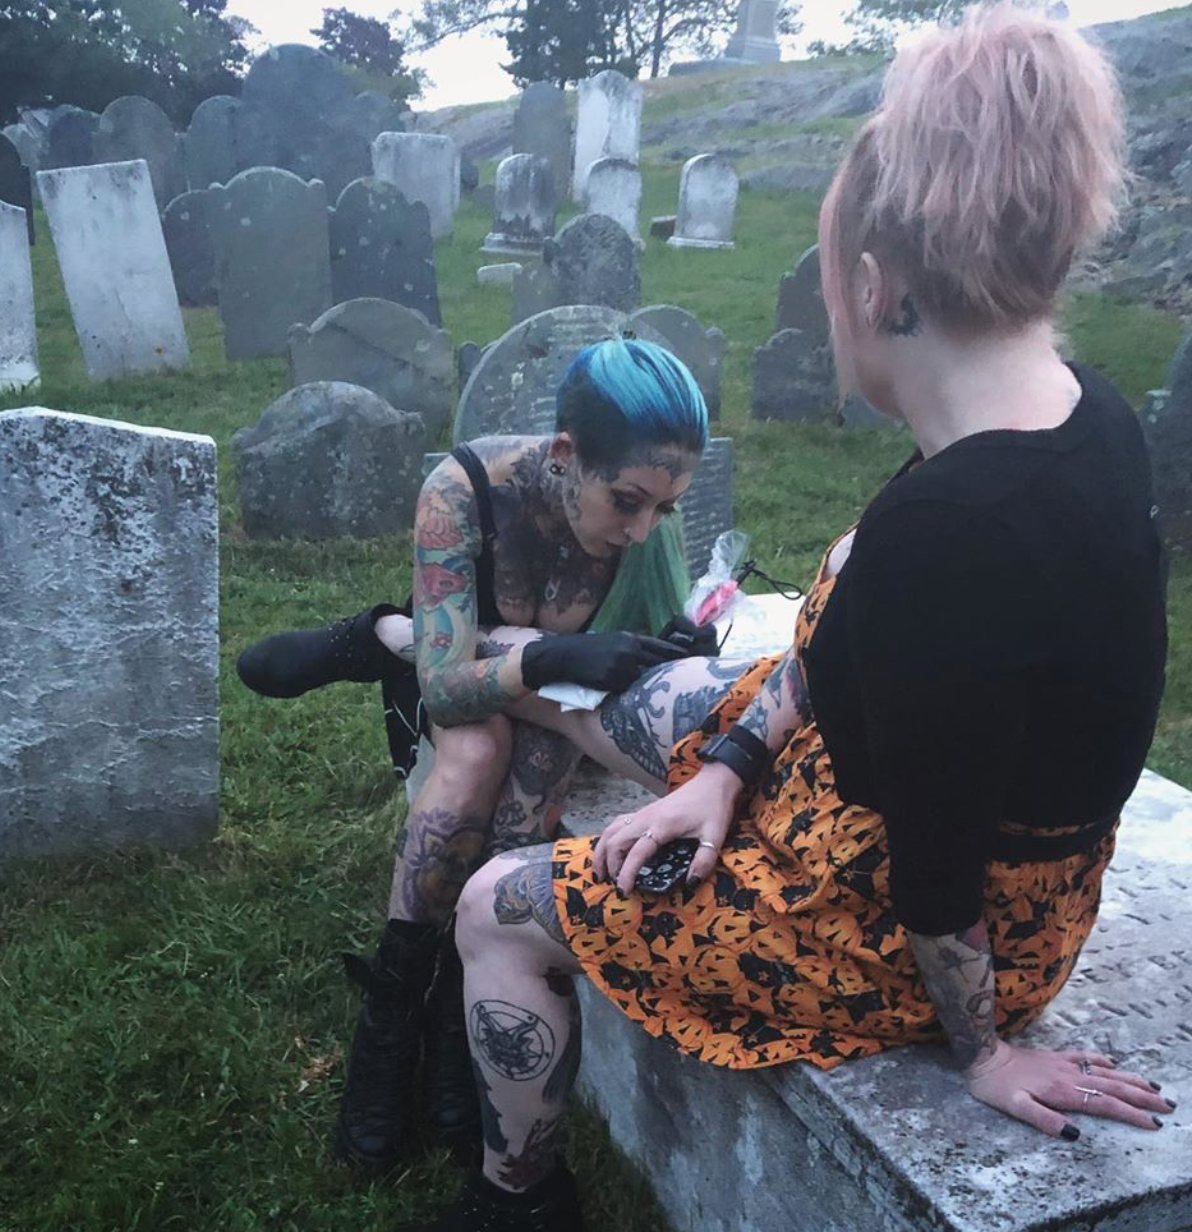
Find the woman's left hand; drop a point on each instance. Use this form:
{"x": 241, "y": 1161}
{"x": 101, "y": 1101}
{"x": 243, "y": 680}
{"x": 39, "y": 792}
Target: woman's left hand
{"x": 1038, "y": 1086}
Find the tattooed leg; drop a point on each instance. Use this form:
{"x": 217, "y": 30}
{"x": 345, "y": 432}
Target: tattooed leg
{"x": 530, "y": 805}
{"x": 446, "y": 831}
{"x": 523, "y": 1015}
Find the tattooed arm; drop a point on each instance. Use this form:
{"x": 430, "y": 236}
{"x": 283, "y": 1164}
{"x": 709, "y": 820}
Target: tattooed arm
{"x": 780, "y": 708}
{"x": 456, "y": 687}
{"x": 958, "y": 971}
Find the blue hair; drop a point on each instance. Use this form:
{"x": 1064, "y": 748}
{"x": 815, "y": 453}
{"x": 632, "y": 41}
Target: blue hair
{"x": 623, "y": 392}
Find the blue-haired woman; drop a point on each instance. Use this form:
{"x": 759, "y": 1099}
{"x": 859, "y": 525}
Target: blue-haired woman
{"x": 567, "y": 534}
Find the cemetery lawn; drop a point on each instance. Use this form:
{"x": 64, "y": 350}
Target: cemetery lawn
{"x": 172, "y": 1026}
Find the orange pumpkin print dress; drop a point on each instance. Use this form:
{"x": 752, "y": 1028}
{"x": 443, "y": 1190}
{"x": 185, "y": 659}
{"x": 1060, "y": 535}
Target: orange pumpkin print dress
{"x": 790, "y": 951}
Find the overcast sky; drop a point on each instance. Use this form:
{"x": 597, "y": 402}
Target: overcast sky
{"x": 467, "y": 69}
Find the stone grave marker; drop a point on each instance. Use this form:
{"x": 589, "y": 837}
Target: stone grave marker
{"x": 211, "y": 145}
{"x": 272, "y": 258}
{"x": 18, "y": 327}
{"x": 109, "y": 598}
{"x": 187, "y": 230}
{"x": 387, "y": 348}
{"x": 595, "y": 262}
{"x": 801, "y": 299}
{"x": 499, "y": 275}
{"x": 707, "y": 505}
{"x": 381, "y": 248}
{"x": 608, "y": 125}
{"x": 702, "y": 350}
{"x": 755, "y": 41}
{"x": 70, "y": 139}
{"x": 662, "y": 226}
{"x": 16, "y": 187}
{"x": 329, "y": 461}
{"x": 535, "y": 289}
{"x": 614, "y": 189}
{"x": 1166, "y": 420}
{"x": 424, "y": 167}
{"x": 524, "y": 206}
{"x": 467, "y": 356}
{"x": 708, "y": 190}
{"x": 28, "y": 144}
{"x": 856, "y": 412}
{"x": 132, "y": 128}
{"x": 108, "y": 237}
{"x": 541, "y": 126}
{"x": 793, "y": 378}
{"x": 512, "y": 389}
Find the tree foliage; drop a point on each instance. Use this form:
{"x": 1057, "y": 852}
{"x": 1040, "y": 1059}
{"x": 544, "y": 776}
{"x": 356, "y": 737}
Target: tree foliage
{"x": 371, "y": 52}
{"x": 88, "y": 52}
{"x": 562, "y": 41}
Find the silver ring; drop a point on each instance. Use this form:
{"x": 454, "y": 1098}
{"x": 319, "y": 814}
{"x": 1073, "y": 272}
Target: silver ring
{"x": 704, "y": 843}
{"x": 1085, "y": 1067}
{"x": 1089, "y": 1093}
{"x": 647, "y": 834}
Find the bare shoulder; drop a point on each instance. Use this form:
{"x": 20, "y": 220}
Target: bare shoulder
{"x": 504, "y": 456}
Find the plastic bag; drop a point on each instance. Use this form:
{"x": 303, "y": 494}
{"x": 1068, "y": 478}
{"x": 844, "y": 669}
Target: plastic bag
{"x": 715, "y": 595}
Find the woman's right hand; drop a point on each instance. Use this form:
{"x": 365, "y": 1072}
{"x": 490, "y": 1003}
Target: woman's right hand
{"x": 702, "y": 808}
{"x": 607, "y": 661}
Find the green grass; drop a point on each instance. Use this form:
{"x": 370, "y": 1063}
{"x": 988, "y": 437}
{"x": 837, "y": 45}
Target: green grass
{"x": 171, "y": 1026}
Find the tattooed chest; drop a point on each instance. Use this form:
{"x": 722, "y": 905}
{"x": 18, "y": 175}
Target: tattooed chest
{"x": 545, "y": 585}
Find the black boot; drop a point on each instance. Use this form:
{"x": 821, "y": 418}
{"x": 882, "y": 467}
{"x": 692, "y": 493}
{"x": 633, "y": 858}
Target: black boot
{"x": 377, "y": 1108}
{"x": 550, "y": 1206}
{"x": 449, "y": 1087}
{"x": 290, "y": 664}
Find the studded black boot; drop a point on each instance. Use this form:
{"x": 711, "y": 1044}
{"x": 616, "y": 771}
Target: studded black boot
{"x": 449, "y": 1087}
{"x": 290, "y": 664}
{"x": 550, "y": 1206}
{"x": 377, "y": 1110}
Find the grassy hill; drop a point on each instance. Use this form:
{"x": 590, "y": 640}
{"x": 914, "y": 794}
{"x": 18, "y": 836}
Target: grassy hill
{"x": 172, "y": 1026}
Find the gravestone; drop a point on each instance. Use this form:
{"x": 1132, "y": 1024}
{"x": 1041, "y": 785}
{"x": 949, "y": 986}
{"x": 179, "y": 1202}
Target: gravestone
{"x": 424, "y": 167}
{"x": 272, "y": 258}
{"x": 1166, "y": 420}
{"x": 595, "y": 262}
{"x": 70, "y": 139}
{"x": 524, "y": 206}
{"x": 211, "y": 145}
{"x": 467, "y": 356}
{"x": 28, "y": 144}
{"x": 18, "y": 327}
{"x": 108, "y": 237}
{"x": 662, "y": 226}
{"x": 708, "y": 190}
{"x": 132, "y": 128}
{"x": 801, "y": 299}
{"x": 701, "y": 350}
{"x": 500, "y": 275}
{"x": 755, "y": 41}
{"x": 512, "y": 389}
{"x": 608, "y": 124}
{"x": 109, "y": 598}
{"x": 187, "y": 230}
{"x": 393, "y": 351}
{"x": 856, "y": 412}
{"x": 614, "y": 189}
{"x": 793, "y": 378}
{"x": 707, "y": 505}
{"x": 381, "y": 248}
{"x": 16, "y": 186}
{"x": 329, "y": 461}
{"x": 535, "y": 289}
{"x": 541, "y": 126}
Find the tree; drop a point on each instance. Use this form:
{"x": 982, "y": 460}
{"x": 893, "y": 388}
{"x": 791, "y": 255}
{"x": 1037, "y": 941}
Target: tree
{"x": 879, "y": 22}
{"x": 561, "y": 41}
{"x": 370, "y": 51}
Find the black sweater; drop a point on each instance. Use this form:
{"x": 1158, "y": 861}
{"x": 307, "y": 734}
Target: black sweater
{"x": 993, "y": 651}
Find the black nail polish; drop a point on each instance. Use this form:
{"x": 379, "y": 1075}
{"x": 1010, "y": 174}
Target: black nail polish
{"x": 1156, "y": 1087}
{"x": 695, "y": 882}
{"x": 1069, "y": 1133}
{"x": 1158, "y": 1123}
{"x": 1170, "y": 1103}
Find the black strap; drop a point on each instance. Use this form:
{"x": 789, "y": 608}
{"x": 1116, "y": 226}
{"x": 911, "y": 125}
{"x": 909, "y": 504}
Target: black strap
{"x": 487, "y": 612}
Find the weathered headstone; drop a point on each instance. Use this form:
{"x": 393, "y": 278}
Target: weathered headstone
{"x": 187, "y": 230}
{"x": 707, "y": 505}
{"x": 18, "y": 328}
{"x": 500, "y": 275}
{"x": 393, "y": 351}
{"x": 132, "y": 128}
{"x": 793, "y": 378}
{"x": 467, "y": 356}
{"x": 28, "y": 145}
{"x": 109, "y": 601}
{"x": 329, "y": 461}
{"x": 614, "y": 189}
{"x": 754, "y": 40}
{"x": 524, "y": 208}
{"x": 425, "y": 167}
{"x": 211, "y": 146}
{"x": 595, "y": 262}
{"x": 16, "y": 187}
{"x": 272, "y": 258}
{"x": 541, "y": 126}
{"x": 662, "y": 226}
{"x": 1166, "y": 419}
{"x": 108, "y": 237}
{"x": 381, "y": 248}
{"x": 801, "y": 299}
{"x": 535, "y": 289}
{"x": 701, "y": 350}
{"x": 857, "y": 412}
{"x": 608, "y": 124}
{"x": 70, "y": 139}
{"x": 512, "y": 389}
{"x": 708, "y": 190}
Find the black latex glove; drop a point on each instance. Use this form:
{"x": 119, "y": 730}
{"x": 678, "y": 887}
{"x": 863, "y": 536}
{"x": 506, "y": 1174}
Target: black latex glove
{"x": 691, "y": 638}
{"x": 608, "y": 661}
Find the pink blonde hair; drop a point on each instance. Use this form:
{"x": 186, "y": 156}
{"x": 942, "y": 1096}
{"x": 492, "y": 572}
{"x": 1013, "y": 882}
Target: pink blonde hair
{"x": 996, "y": 154}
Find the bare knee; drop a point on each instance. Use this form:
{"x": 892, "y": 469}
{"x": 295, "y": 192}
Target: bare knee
{"x": 476, "y": 926}
{"x": 475, "y": 757}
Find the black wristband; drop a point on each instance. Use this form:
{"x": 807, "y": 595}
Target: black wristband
{"x": 745, "y": 754}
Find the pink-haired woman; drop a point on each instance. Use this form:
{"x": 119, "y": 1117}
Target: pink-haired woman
{"x": 903, "y": 822}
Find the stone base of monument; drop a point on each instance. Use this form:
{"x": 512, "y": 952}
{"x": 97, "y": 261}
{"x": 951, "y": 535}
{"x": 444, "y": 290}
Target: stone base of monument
{"x": 684, "y": 241}
{"x": 501, "y": 275}
{"x": 500, "y": 244}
